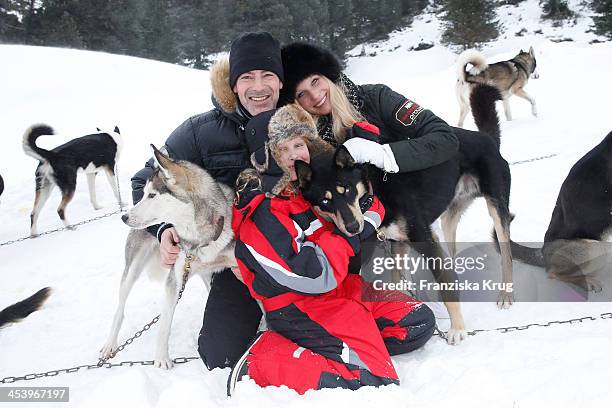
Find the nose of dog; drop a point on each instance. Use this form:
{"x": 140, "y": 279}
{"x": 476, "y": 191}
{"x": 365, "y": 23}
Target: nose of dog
{"x": 125, "y": 218}
{"x": 353, "y": 227}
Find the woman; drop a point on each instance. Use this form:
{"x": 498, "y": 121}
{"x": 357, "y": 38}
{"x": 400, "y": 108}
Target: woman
{"x": 322, "y": 333}
{"x": 411, "y": 138}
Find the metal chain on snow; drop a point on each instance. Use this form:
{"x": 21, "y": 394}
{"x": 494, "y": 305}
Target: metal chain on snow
{"x": 120, "y": 210}
{"x": 182, "y": 360}
{"x": 534, "y": 159}
{"x": 103, "y": 362}
{"x": 147, "y": 326}
{"x": 72, "y": 226}
{"x": 53, "y": 373}
{"x": 508, "y": 329}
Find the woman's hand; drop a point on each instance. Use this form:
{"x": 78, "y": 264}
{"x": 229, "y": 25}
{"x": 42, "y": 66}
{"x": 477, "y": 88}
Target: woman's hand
{"x": 367, "y": 151}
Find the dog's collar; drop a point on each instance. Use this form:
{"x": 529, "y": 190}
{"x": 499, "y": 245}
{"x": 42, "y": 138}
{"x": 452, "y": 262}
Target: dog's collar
{"x": 366, "y": 201}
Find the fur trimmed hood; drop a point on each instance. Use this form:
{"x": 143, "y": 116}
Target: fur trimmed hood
{"x": 220, "y": 85}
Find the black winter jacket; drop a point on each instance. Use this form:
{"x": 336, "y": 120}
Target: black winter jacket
{"x": 213, "y": 140}
{"x": 418, "y": 138}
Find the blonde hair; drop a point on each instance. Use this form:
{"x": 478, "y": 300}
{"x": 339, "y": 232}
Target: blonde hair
{"x": 343, "y": 113}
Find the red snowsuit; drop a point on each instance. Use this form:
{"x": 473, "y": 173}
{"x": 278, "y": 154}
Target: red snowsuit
{"x": 322, "y": 334}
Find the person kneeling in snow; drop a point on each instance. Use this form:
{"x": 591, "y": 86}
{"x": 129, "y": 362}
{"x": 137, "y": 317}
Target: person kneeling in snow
{"x": 322, "y": 333}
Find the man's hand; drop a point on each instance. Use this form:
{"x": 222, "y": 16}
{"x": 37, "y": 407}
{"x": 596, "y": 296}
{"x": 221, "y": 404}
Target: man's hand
{"x": 168, "y": 248}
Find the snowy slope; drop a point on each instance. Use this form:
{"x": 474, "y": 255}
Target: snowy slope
{"x": 75, "y": 91}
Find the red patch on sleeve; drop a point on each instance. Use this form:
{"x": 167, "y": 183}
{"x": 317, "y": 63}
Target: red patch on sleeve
{"x": 408, "y": 112}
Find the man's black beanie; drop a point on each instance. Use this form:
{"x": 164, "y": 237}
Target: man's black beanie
{"x": 253, "y": 51}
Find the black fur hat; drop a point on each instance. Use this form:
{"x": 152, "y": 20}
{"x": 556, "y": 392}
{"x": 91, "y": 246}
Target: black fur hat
{"x": 300, "y": 60}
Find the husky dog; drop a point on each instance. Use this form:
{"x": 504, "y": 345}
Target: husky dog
{"x": 22, "y": 309}
{"x": 509, "y": 77}
{"x": 574, "y": 248}
{"x": 59, "y": 167}
{"x": 334, "y": 185}
{"x": 200, "y": 209}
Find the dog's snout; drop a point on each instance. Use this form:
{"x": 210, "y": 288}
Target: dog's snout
{"x": 353, "y": 227}
{"x": 125, "y": 218}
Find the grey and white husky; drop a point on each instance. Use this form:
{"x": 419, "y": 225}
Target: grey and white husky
{"x": 509, "y": 77}
{"x": 185, "y": 195}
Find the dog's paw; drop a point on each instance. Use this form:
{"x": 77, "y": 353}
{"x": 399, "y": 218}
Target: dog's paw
{"x": 505, "y": 299}
{"x": 593, "y": 285}
{"x": 97, "y": 207}
{"x": 71, "y": 227}
{"x": 164, "y": 363}
{"x": 108, "y": 349}
{"x": 456, "y": 336}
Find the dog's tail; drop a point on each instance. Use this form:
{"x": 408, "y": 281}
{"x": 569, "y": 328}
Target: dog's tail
{"x": 29, "y": 142}
{"x": 21, "y": 310}
{"x": 525, "y": 254}
{"x": 470, "y": 57}
{"x": 482, "y": 102}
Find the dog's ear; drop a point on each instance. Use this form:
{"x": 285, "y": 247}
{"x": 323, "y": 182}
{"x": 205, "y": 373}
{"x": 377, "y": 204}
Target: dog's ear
{"x": 342, "y": 158}
{"x": 531, "y": 51}
{"x": 98, "y": 129}
{"x": 165, "y": 164}
{"x": 116, "y": 130}
{"x": 304, "y": 174}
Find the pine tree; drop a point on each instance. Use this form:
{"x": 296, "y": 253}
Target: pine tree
{"x": 556, "y": 9}
{"x": 468, "y": 23}
{"x": 603, "y": 22}
{"x": 413, "y": 7}
{"x": 55, "y": 25}
{"x": 158, "y": 35}
{"x": 339, "y": 30}
{"x": 10, "y": 27}
{"x": 29, "y": 10}
{"x": 310, "y": 21}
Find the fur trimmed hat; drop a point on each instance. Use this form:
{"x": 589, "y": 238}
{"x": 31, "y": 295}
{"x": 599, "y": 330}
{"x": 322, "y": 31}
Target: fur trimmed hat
{"x": 266, "y": 131}
{"x": 300, "y": 60}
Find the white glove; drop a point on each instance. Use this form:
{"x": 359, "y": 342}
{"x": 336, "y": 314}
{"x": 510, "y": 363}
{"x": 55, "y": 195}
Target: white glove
{"x": 367, "y": 151}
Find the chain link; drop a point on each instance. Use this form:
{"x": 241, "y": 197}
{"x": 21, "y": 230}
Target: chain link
{"x": 53, "y": 373}
{"x": 147, "y": 326}
{"x": 63, "y": 228}
{"x": 534, "y": 159}
{"x": 508, "y": 329}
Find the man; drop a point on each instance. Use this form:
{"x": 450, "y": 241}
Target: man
{"x": 216, "y": 141}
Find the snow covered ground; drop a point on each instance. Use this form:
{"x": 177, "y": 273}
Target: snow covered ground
{"x": 76, "y": 91}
